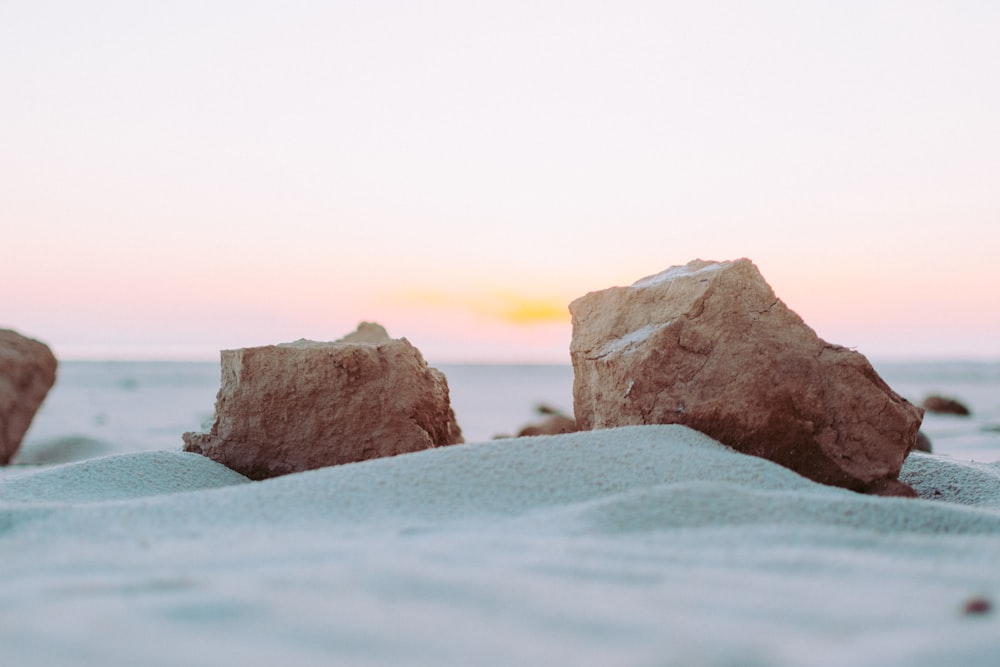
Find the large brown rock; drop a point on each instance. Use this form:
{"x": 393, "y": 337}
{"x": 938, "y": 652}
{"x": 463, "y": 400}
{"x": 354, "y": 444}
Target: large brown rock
{"x": 710, "y": 346}
{"x": 27, "y": 372}
{"x": 304, "y": 405}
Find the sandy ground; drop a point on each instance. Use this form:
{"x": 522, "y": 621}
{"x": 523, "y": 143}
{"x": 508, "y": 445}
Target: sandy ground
{"x": 636, "y": 546}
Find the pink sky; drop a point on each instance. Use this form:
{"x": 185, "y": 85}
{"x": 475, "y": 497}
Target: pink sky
{"x": 189, "y": 177}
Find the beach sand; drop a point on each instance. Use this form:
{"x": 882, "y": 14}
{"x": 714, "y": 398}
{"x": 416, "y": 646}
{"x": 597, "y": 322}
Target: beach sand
{"x": 648, "y": 545}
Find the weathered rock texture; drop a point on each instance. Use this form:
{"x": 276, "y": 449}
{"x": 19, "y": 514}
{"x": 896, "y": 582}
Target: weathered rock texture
{"x": 710, "y": 346}
{"x": 27, "y": 372}
{"x": 304, "y": 405}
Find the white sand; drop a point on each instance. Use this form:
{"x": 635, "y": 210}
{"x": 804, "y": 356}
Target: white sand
{"x": 634, "y": 546}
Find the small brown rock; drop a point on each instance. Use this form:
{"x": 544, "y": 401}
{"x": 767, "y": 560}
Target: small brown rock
{"x": 304, "y": 405}
{"x": 922, "y": 443}
{"x": 944, "y": 405}
{"x": 27, "y": 372}
{"x": 977, "y": 606}
{"x": 554, "y": 422}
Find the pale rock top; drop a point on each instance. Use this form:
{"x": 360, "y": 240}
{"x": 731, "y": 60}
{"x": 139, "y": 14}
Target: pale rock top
{"x": 690, "y": 269}
{"x": 367, "y": 333}
{"x": 630, "y": 341}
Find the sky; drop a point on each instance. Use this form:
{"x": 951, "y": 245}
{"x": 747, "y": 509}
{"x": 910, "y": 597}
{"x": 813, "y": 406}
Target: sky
{"x": 179, "y": 178}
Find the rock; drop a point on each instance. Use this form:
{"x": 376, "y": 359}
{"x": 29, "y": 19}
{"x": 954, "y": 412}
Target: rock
{"x": 710, "y": 346}
{"x": 554, "y": 422}
{"x": 922, "y": 443}
{"x": 27, "y": 372}
{"x": 944, "y": 405}
{"x": 304, "y": 405}
{"x": 977, "y": 606}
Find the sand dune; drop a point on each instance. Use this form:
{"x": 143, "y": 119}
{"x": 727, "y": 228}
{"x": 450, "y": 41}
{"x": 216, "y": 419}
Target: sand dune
{"x": 635, "y": 546}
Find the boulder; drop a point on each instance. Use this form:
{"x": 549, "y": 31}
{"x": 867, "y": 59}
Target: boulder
{"x": 710, "y": 346}
{"x": 944, "y": 406}
{"x": 304, "y": 405}
{"x": 27, "y": 372}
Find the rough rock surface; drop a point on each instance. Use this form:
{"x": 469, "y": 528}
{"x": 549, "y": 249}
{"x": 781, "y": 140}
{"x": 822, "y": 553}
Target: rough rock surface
{"x": 945, "y": 406}
{"x": 27, "y": 372}
{"x": 304, "y": 405}
{"x": 710, "y": 346}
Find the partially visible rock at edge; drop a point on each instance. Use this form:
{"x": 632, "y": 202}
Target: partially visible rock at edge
{"x": 27, "y": 372}
{"x": 710, "y": 346}
{"x": 305, "y": 405}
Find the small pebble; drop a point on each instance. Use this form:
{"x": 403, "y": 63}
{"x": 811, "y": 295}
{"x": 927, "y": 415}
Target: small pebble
{"x": 977, "y": 606}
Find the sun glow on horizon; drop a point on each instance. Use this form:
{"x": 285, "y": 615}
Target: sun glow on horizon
{"x": 496, "y": 304}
